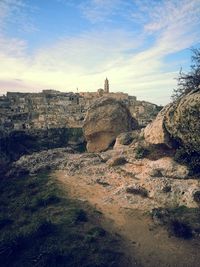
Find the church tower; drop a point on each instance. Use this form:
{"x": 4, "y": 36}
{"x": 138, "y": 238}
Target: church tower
{"x": 106, "y": 86}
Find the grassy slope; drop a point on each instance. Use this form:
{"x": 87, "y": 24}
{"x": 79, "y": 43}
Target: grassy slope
{"x": 39, "y": 226}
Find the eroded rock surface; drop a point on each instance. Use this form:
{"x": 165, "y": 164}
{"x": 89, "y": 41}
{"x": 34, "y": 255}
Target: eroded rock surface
{"x": 177, "y": 122}
{"x": 165, "y": 183}
{"x": 182, "y": 121}
{"x": 104, "y": 121}
{"x": 155, "y": 132}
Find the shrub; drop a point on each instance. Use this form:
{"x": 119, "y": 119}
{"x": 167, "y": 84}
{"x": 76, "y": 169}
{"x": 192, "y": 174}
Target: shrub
{"x": 190, "y": 81}
{"x": 141, "y": 152}
{"x": 190, "y": 158}
{"x": 44, "y": 228}
{"x": 46, "y": 200}
{"x": 116, "y": 161}
{"x": 76, "y": 215}
{"x": 97, "y": 232}
{"x": 180, "y": 229}
{"x": 137, "y": 191}
{"x": 180, "y": 221}
{"x": 167, "y": 189}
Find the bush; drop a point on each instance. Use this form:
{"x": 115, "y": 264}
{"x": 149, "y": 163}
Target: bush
{"x": 180, "y": 229}
{"x": 116, "y": 161}
{"x": 141, "y": 152}
{"x": 45, "y": 228}
{"x": 137, "y": 191}
{"x": 76, "y": 215}
{"x": 97, "y": 232}
{"x": 190, "y": 81}
{"x": 46, "y": 200}
{"x": 190, "y": 158}
{"x": 181, "y": 221}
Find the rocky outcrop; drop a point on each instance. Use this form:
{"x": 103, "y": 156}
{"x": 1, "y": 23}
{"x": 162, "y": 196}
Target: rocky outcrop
{"x": 155, "y": 132}
{"x": 177, "y": 122}
{"x": 182, "y": 121}
{"x": 104, "y": 121}
{"x": 140, "y": 184}
{"x": 37, "y": 162}
{"x": 126, "y": 139}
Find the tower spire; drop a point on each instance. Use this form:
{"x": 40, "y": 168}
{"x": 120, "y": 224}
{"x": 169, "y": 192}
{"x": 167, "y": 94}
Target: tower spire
{"x": 106, "y": 86}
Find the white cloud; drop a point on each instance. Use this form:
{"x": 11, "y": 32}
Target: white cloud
{"x": 85, "y": 60}
{"x": 99, "y": 10}
{"x": 16, "y": 13}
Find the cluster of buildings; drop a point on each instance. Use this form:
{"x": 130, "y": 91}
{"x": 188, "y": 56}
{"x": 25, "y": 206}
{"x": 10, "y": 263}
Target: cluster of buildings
{"x": 54, "y": 109}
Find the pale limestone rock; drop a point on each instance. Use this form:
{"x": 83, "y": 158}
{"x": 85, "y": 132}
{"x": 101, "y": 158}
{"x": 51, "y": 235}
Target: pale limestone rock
{"x": 182, "y": 121}
{"x": 177, "y": 122}
{"x": 104, "y": 121}
{"x": 89, "y": 170}
{"x": 127, "y": 139}
{"x": 155, "y": 132}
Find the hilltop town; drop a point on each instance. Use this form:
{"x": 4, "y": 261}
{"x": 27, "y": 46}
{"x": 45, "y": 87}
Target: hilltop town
{"x": 54, "y": 109}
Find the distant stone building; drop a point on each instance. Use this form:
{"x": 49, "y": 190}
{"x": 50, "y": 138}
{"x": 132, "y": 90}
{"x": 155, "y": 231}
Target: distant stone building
{"x": 106, "y": 86}
{"x": 54, "y": 109}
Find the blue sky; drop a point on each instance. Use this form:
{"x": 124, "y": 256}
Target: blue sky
{"x": 139, "y": 45}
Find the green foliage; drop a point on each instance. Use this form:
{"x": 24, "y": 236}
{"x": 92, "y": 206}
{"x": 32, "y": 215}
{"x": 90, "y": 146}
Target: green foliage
{"x": 41, "y": 227}
{"x": 141, "y": 152}
{"x": 190, "y": 81}
{"x": 190, "y": 158}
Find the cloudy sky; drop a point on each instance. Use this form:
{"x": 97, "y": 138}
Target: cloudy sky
{"x": 139, "y": 45}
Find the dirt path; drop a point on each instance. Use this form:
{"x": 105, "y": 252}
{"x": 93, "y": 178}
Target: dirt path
{"x": 148, "y": 244}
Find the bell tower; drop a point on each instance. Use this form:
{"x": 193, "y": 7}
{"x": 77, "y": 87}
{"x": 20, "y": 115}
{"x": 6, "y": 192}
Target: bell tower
{"x": 106, "y": 86}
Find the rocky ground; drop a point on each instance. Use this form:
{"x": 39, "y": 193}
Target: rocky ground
{"x": 137, "y": 183}
{"x": 126, "y": 189}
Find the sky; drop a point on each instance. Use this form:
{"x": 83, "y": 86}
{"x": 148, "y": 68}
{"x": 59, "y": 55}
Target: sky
{"x": 140, "y": 45}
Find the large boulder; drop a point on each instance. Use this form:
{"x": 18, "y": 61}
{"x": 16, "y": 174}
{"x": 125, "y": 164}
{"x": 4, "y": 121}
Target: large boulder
{"x": 155, "y": 132}
{"x": 177, "y": 122}
{"x": 105, "y": 120}
{"x": 182, "y": 121}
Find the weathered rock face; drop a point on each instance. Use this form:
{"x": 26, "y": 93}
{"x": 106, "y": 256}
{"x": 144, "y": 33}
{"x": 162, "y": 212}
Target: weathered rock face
{"x": 125, "y": 139}
{"x": 104, "y": 121}
{"x": 155, "y": 132}
{"x": 182, "y": 121}
{"x": 178, "y": 121}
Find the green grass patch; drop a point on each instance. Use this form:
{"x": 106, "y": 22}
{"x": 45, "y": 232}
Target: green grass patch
{"x": 41, "y": 227}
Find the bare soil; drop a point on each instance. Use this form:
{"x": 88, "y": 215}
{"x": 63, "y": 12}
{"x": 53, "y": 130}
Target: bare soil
{"x": 144, "y": 242}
